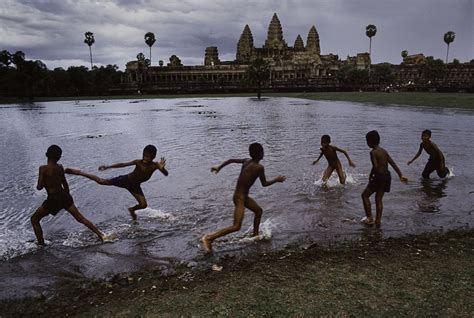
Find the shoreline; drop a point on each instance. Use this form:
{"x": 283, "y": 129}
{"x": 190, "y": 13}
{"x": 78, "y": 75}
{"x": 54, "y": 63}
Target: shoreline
{"x": 426, "y": 274}
{"x": 442, "y": 100}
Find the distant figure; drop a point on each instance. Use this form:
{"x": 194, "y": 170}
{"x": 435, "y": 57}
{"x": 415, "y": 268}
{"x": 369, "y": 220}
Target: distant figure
{"x": 379, "y": 180}
{"x": 51, "y": 177}
{"x": 436, "y": 159}
{"x": 143, "y": 171}
{"x": 251, "y": 170}
{"x": 330, "y": 154}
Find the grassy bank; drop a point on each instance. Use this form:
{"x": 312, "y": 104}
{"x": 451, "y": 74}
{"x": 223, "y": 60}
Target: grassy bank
{"x": 425, "y": 275}
{"x": 458, "y": 100}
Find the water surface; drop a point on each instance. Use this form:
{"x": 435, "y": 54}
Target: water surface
{"x": 194, "y": 135}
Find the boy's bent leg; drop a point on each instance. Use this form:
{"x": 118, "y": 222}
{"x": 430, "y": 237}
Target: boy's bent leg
{"x": 90, "y": 176}
{"x": 341, "y": 173}
{"x": 255, "y": 208}
{"x": 378, "y": 207}
{"x": 442, "y": 172}
{"x": 35, "y": 222}
{"x": 81, "y": 219}
{"x": 238, "y": 218}
{"x": 367, "y": 207}
{"x": 327, "y": 173}
{"x": 142, "y": 204}
{"x": 429, "y": 168}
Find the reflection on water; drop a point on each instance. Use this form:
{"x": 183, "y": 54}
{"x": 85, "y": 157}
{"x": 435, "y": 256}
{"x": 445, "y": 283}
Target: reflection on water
{"x": 434, "y": 190}
{"x": 193, "y": 135}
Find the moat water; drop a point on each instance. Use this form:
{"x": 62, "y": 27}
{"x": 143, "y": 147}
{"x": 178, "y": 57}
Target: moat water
{"x": 194, "y": 134}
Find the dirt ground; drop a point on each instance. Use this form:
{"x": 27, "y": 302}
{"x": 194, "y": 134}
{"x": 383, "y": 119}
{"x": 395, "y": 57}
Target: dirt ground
{"x": 425, "y": 275}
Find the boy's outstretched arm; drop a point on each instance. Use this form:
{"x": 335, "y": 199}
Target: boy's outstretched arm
{"x": 161, "y": 166}
{"x": 316, "y": 161}
{"x": 266, "y": 183}
{"x": 216, "y": 169}
{"x": 118, "y": 165}
{"x": 351, "y": 163}
{"x": 40, "y": 184}
{"x": 417, "y": 155}
{"x": 395, "y": 167}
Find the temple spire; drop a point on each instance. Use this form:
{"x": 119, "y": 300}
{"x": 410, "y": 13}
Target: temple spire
{"x": 245, "y": 46}
{"x": 275, "y": 35}
{"x": 299, "y": 45}
{"x": 312, "y": 44}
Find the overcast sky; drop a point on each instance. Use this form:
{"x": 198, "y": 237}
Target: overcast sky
{"x": 53, "y": 31}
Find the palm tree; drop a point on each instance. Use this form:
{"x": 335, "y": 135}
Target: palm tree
{"x": 370, "y": 31}
{"x": 18, "y": 58}
{"x": 258, "y": 72}
{"x": 449, "y": 38}
{"x": 141, "y": 56}
{"x": 89, "y": 40}
{"x": 404, "y": 53}
{"x": 150, "y": 40}
{"x": 5, "y": 57}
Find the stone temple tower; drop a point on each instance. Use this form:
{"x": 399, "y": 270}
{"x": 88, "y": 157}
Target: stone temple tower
{"x": 299, "y": 45}
{"x": 275, "y": 35}
{"x": 245, "y": 46}
{"x": 312, "y": 44}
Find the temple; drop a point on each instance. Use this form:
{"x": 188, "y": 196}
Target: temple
{"x": 298, "y": 67}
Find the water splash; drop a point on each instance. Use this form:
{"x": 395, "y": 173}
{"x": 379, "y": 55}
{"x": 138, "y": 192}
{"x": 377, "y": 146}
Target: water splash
{"x": 156, "y": 214}
{"x": 16, "y": 243}
{"x": 333, "y": 181}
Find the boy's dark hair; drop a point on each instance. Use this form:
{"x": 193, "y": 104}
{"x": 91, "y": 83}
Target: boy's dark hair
{"x": 54, "y": 153}
{"x": 150, "y": 149}
{"x": 326, "y": 139}
{"x": 255, "y": 150}
{"x": 373, "y": 138}
{"x": 426, "y": 132}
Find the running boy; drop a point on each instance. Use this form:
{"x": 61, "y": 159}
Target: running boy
{"x": 251, "y": 170}
{"x": 51, "y": 177}
{"x": 379, "y": 180}
{"x": 436, "y": 159}
{"x": 330, "y": 153}
{"x": 143, "y": 171}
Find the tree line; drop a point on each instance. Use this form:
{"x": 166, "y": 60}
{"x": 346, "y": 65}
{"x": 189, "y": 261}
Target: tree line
{"x": 24, "y": 78}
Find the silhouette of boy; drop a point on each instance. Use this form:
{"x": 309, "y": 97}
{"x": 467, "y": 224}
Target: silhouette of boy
{"x": 330, "y": 153}
{"x": 251, "y": 170}
{"x": 51, "y": 177}
{"x": 380, "y": 178}
{"x": 436, "y": 159}
{"x": 144, "y": 169}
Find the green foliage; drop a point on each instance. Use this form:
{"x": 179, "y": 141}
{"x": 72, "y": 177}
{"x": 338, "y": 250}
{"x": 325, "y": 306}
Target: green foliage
{"x": 150, "y": 39}
{"x": 257, "y": 73}
{"x": 350, "y": 76}
{"x": 382, "y": 74}
{"x": 89, "y": 38}
{"x": 449, "y": 37}
{"x": 433, "y": 69}
{"x": 370, "y": 30}
{"x": 29, "y": 79}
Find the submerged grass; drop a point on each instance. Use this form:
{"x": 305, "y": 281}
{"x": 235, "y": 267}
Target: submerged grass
{"x": 451, "y": 100}
{"x": 424, "y": 275}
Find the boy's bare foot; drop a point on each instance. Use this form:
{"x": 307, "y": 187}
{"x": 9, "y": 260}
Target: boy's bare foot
{"x": 206, "y": 244}
{"x": 367, "y": 221}
{"x": 133, "y": 214}
{"x": 72, "y": 171}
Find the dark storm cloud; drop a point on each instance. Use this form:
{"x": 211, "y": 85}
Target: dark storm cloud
{"x": 53, "y": 31}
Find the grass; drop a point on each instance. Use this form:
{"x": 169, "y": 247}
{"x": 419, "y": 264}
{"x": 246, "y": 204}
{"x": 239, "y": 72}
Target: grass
{"x": 448, "y": 100}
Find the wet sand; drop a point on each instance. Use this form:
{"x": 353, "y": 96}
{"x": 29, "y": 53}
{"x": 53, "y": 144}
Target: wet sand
{"x": 416, "y": 275}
